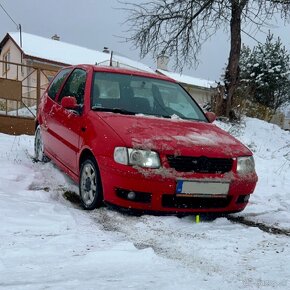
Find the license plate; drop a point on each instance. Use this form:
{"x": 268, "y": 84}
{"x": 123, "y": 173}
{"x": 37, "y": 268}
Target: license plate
{"x": 204, "y": 188}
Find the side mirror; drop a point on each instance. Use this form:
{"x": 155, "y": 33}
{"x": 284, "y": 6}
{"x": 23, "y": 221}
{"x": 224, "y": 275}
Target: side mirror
{"x": 69, "y": 103}
{"x": 210, "y": 116}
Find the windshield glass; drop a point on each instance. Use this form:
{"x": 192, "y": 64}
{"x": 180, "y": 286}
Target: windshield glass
{"x": 122, "y": 93}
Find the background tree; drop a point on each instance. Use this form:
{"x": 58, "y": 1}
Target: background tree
{"x": 178, "y": 28}
{"x": 265, "y": 73}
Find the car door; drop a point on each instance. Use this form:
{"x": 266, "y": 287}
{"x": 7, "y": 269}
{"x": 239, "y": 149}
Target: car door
{"x": 66, "y": 124}
{"x": 47, "y": 105}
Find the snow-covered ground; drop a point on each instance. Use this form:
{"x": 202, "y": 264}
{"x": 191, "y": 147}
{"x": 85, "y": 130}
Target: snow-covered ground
{"x": 47, "y": 242}
{"x": 271, "y": 146}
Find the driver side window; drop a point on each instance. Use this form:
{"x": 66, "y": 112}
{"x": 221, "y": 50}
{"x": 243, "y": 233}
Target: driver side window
{"x": 57, "y": 82}
{"x": 75, "y": 86}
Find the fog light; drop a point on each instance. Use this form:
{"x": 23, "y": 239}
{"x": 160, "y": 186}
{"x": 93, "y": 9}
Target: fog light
{"x": 134, "y": 196}
{"x": 131, "y": 195}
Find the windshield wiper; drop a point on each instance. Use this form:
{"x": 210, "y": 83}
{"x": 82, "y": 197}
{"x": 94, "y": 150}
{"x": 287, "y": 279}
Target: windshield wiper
{"x": 113, "y": 110}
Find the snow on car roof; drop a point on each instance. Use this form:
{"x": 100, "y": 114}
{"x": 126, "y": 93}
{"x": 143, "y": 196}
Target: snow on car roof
{"x": 66, "y": 53}
{"x": 188, "y": 79}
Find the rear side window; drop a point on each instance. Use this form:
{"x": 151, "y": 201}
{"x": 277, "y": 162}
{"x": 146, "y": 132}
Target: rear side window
{"x": 57, "y": 82}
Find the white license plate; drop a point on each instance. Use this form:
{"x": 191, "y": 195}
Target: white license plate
{"x": 204, "y": 188}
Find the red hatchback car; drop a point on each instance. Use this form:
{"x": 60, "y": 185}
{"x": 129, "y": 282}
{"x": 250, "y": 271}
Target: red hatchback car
{"x": 139, "y": 141}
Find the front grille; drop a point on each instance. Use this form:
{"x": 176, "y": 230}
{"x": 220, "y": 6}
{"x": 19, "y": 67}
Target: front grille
{"x": 200, "y": 164}
{"x": 171, "y": 201}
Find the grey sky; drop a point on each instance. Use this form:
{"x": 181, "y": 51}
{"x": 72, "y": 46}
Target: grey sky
{"x": 95, "y": 24}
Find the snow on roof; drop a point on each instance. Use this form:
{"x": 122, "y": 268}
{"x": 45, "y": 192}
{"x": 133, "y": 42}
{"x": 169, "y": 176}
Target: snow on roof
{"x": 188, "y": 79}
{"x": 59, "y": 51}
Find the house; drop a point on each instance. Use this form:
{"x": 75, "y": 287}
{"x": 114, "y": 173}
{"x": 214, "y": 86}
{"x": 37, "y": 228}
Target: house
{"x": 27, "y": 64}
{"x": 49, "y": 55}
{"x": 33, "y": 49}
{"x": 201, "y": 90}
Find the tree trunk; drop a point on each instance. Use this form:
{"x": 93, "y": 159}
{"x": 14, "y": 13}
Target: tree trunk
{"x": 232, "y": 71}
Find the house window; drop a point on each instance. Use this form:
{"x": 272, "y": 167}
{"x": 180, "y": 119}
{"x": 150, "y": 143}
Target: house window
{"x": 6, "y": 64}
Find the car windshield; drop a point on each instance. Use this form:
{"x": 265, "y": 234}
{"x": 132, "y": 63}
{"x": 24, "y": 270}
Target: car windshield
{"x": 129, "y": 94}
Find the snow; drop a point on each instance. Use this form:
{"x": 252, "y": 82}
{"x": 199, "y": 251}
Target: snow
{"x": 47, "y": 242}
{"x": 59, "y": 51}
{"x": 205, "y": 138}
{"x": 188, "y": 79}
{"x": 271, "y": 146}
{"x": 285, "y": 109}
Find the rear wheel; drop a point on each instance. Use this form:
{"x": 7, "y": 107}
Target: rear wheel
{"x": 90, "y": 185}
{"x": 39, "y": 147}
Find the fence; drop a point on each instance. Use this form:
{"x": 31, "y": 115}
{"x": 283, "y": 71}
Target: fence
{"x": 21, "y": 87}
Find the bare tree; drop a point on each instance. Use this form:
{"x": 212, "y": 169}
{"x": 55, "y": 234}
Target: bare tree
{"x": 178, "y": 28}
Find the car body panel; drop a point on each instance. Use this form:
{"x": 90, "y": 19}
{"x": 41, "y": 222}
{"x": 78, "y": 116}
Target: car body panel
{"x": 171, "y": 136}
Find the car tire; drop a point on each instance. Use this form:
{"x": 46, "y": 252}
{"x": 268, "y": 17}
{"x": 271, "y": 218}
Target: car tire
{"x": 39, "y": 147}
{"x": 90, "y": 185}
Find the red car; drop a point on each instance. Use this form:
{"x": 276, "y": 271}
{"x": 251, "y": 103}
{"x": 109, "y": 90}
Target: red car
{"x": 139, "y": 141}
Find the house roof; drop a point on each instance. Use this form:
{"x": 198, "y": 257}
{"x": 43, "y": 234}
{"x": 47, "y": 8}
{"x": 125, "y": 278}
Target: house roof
{"x": 180, "y": 78}
{"x": 43, "y": 48}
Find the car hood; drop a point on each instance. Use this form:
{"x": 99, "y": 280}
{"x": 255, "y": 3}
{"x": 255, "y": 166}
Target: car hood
{"x": 178, "y": 137}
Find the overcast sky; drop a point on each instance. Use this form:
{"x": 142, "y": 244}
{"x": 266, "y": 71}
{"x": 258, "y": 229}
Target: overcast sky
{"x": 96, "y": 23}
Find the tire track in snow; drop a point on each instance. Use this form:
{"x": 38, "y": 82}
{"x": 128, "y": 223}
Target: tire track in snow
{"x": 198, "y": 248}
{"x": 146, "y": 232}
{"x": 202, "y": 248}
{"x": 74, "y": 198}
{"x": 263, "y": 227}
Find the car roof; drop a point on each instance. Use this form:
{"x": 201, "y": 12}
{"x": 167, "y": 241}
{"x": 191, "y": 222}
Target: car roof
{"x": 109, "y": 69}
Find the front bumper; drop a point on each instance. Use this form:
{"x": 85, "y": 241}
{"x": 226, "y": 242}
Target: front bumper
{"x": 155, "y": 190}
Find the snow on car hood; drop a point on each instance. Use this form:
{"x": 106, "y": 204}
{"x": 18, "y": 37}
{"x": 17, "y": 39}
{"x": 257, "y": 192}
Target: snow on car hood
{"x": 171, "y": 136}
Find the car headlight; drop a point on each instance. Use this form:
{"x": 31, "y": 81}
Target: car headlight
{"x": 142, "y": 158}
{"x": 246, "y": 165}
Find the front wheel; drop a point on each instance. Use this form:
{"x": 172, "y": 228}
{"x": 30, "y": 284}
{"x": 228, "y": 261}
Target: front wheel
{"x": 39, "y": 147}
{"x": 90, "y": 185}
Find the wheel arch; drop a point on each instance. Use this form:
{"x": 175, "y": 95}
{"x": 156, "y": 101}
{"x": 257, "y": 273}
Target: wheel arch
{"x": 87, "y": 153}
